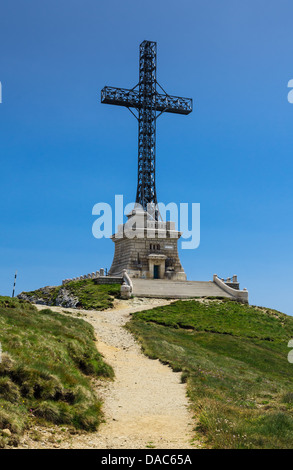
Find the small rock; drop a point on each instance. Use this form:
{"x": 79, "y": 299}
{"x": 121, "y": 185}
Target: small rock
{"x": 6, "y": 432}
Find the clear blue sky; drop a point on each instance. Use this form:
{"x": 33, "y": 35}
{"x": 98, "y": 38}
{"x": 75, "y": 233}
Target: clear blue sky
{"x": 62, "y": 151}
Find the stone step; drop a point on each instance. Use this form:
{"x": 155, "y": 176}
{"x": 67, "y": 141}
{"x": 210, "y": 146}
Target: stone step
{"x": 162, "y": 288}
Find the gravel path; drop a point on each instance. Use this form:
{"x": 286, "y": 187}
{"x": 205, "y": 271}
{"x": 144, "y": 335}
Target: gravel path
{"x": 146, "y": 404}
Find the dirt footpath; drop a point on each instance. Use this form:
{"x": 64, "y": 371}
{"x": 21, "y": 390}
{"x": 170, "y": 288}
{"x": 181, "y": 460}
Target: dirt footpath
{"x": 144, "y": 407}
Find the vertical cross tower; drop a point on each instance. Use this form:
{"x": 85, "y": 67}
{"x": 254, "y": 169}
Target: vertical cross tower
{"x": 149, "y": 105}
{"x": 146, "y": 181}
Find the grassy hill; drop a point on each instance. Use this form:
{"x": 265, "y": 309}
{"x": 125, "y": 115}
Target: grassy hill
{"x": 47, "y": 362}
{"x": 81, "y": 294}
{"x": 234, "y": 360}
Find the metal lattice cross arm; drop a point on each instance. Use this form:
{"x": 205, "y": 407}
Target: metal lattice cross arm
{"x": 131, "y": 99}
{"x": 150, "y": 105}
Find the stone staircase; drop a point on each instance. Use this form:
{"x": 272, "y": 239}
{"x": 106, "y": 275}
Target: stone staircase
{"x": 176, "y": 289}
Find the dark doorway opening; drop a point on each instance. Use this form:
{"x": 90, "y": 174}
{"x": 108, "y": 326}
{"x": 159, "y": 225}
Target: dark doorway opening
{"x": 156, "y": 271}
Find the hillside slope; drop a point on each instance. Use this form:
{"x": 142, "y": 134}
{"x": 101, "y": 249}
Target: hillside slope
{"x": 47, "y": 361}
{"x": 75, "y": 294}
{"x": 234, "y": 359}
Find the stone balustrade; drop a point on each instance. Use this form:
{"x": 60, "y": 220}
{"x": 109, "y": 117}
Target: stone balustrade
{"x": 93, "y": 275}
{"x": 240, "y": 295}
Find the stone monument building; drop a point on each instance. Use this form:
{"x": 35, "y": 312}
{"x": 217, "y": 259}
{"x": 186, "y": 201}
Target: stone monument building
{"x": 147, "y": 251}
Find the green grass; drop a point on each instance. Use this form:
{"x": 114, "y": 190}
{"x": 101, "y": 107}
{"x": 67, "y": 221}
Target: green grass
{"x": 90, "y": 296}
{"x": 234, "y": 360}
{"x": 48, "y": 361}
{"x": 94, "y": 296}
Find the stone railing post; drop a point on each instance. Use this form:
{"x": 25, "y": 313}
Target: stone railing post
{"x": 127, "y": 287}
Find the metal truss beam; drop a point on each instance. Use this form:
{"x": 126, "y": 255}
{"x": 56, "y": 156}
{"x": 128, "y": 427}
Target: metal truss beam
{"x": 131, "y": 99}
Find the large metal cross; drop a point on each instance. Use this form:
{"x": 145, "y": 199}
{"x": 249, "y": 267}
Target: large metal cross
{"x": 150, "y": 105}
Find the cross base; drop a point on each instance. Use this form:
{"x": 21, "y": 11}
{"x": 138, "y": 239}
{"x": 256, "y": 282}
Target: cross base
{"x": 147, "y": 249}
